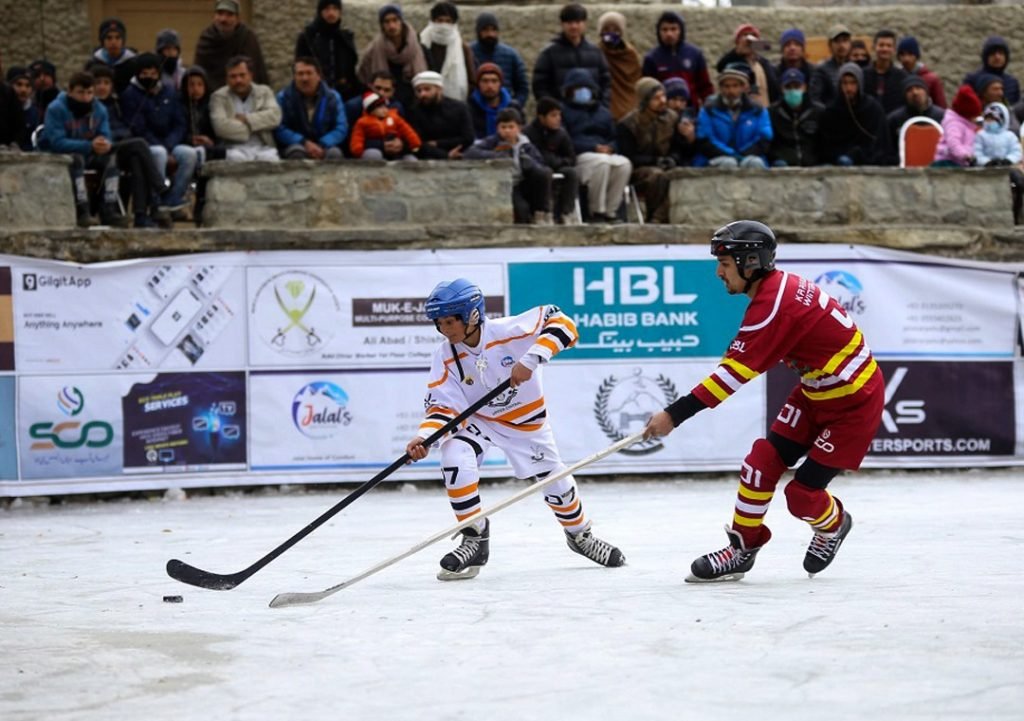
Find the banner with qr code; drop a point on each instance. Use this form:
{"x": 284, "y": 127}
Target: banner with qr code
{"x": 311, "y": 366}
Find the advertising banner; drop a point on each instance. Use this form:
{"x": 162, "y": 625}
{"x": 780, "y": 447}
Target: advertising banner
{"x": 180, "y": 422}
{"x": 8, "y": 444}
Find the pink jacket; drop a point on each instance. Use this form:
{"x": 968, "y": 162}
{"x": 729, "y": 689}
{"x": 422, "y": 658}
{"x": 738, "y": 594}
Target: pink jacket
{"x": 957, "y": 143}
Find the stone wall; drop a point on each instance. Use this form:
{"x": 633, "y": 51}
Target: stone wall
{"x": 35, "y": 191}
{"x": 358, "y": 193}
{"x": 951, "y": 35}
{"x": 841, "y": 196}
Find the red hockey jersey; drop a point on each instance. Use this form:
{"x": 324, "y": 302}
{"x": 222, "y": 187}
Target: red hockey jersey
{"x": 791, "y": 319}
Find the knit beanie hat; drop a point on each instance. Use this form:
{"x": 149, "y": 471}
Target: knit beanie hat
{"x": 43, "y": 67}
{"x": 389, "y": 9}
{"x": 486, "y": 19}
{"x": 739, "y": 71}
{"x": 966, "y": 103}
{"x": 914, "y": 81}
{"x": 793, "y": 34}
{"x": 909, "y": 45}
{"x": 321, "y": 4}
{"x": 109, "y": 25}
{"x": 646, "y": 87}
{"x": 982, "y": 82}
{"x": 167, "y": 38}
{"x": 612, "y": 18}
{"x": 147, "y": 60}
{"x": 677, "y": 88}
{"x": 17, "y": 72}
{"x": 744, "y": 30}
{"x": 489, "y": 69}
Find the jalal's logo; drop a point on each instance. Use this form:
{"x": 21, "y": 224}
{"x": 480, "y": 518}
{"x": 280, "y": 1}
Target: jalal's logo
{"x": 845, "y": 288}
{"x": 319, "y": 410}
{"x": 296, "y": 312}
{"x": 623, "y": 405}
{"x": 70, "y": 434}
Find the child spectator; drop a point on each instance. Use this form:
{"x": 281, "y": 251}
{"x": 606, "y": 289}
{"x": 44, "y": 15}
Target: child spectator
{"x": 555, "y": 145}
{"x": 995, "y": 144}
{"x": 956, "y": 148}
{"x": 195, "y": 96}
{"x": 381, "y": 124}
{"x": 44, "y": 82}
{"x": 531, "y": 189}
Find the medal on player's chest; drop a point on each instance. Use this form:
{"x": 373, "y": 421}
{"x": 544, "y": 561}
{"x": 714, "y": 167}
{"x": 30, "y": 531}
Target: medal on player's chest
{"x": 481, "y": 366}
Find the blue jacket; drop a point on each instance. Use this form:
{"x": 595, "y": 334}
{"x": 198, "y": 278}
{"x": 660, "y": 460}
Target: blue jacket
{"x": 329, "y": 127}
{"x": 588, "y": 124}
{"x": 158, "y": 119}
{"x": 512, "y": 67}
{"x": 1011, "y": 87}
{"x": 64, "y": 133}
{"x": 485, "y": 118}
{"x": 1001, "y": 145}
{"x": 719, "y": 134}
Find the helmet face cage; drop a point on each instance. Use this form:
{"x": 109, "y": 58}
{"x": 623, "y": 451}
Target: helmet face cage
{"x": 458, "y": 298}
{"x": 750, "y": 243}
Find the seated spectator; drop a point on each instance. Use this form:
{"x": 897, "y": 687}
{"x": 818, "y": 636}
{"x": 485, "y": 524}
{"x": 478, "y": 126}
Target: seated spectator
{"x": 488, "y": 99}
{"x": 154, "y": 114}
{"x": 555, "y": 146}
{"x": 764, "y": 85}
{"x": 995, "y": 57}
{"x": 796, "y": 125}
{"x": 677, "y": 96}
{"x": 990, "y": 90}
{"x": 76, "y": 124}
{"x": 44, "y": 82}
{"x": 859, "y": 54}
{"x": 313, "y": 124}
{"x": 489, "y": 49}
{"x": 599, "y": 167}
{"x": 623, "y": 60}
{"x": 956, "y": 148}
{"x": 23, "y": 114}
{"x": 794, "y": 48}
{"x": 443, "y": 124}
{"x": 333, "y": 47}
{"x": 244, "y": 115}
{"x": 673, "y": 57}
{"x": 854, "y": 124}
{"x": 995, "y": 144}
{"x": 446, "y": 52}
{"x": 135, "y": 161}
{"x": 568, "y": 51}
{"x": 113, "y": 53}
{"x": 226, "y": 38}
{"x": 883, "y": 78}
{"x": 531, "y": 189}
{"x": 391, "y": 136}
{"x": 908, "y": 53}
{"x": 824, "y": 81}
{"x": 648, "y": 137}
{"x": 172, "y": 70}
{"x": 732, "y": 130}
{"x": 917, "y": 103}
{"x": 199, "y": 133}
{"x": 395, "y": 50}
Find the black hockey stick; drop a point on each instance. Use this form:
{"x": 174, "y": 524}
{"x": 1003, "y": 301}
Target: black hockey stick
{"x": 181, "y": 571}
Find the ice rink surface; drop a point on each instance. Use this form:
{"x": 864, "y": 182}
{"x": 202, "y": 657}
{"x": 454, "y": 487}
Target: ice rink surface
{"x": 920, "y": 616}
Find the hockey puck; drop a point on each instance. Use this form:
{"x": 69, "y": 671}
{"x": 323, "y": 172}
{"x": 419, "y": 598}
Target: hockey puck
{"x": 173, "y": 599}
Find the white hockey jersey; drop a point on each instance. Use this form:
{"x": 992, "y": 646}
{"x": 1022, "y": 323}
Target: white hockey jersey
{"x": 461, "y": 375}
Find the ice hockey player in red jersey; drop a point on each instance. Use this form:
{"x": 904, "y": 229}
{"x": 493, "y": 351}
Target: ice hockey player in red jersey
{"x": 830, "y": 417}
{"x": 478, "y": 353}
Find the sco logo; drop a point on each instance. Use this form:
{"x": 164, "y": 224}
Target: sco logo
{"x": 94, "y": 434}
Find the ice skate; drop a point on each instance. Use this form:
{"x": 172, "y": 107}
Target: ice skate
{"x": 465, "y": 561}
{"x": 729, "y": 564}
{"x": 587, "y": 544}
{"x": 825, "y": 546}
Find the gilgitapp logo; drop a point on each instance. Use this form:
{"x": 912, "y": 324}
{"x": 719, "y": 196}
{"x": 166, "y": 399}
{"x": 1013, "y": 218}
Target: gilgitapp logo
{"x": 845, "y": 287}
{"x": 623, "y": 405}
{"x": 70, "y": 434}
{"x": 904, "y": 412}
{"x": 295, "y": 312}
{"x": 35, "y": 281}
{"x": 320, "y": 409}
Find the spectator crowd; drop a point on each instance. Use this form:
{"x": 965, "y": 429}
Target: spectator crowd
{"x": 139, "y": 125}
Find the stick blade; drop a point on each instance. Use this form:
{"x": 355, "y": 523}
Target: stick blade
{"x": 283, "y": 600}
{"x": 181, "y": 571}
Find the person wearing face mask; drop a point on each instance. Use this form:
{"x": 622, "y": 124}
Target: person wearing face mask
{"x": 446, "y": 52}
{"x": 624, "y": 62}
{"x": 917, "y": 103}
{"x": 76, "y": 124}
{"x": 995, "y": 144}
{"x": 732, "y": 130}
{"x": 796, "y": 124}
{"x": 153, "y": 113}
{"x": 113, "y": 53}
{"x": 489, "y": 49}
{"x": 334, "y": 48}
{"x": 168, "y": 47}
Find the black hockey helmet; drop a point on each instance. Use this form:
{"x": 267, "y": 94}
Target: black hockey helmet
{"x": 750, "y": 243}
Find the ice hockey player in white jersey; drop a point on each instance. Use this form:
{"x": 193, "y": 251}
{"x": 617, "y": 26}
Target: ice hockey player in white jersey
{"x": 477, "y": 355}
